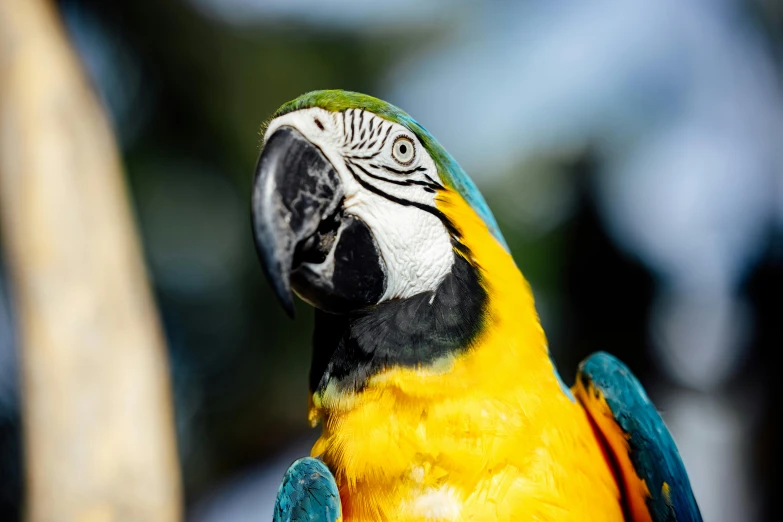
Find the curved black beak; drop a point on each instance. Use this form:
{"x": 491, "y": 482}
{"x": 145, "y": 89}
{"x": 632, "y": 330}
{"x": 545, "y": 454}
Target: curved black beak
{"x": 295, "y": 190}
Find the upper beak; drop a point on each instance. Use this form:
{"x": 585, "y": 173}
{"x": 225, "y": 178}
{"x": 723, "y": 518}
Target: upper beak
{"x": 295, "y": 189}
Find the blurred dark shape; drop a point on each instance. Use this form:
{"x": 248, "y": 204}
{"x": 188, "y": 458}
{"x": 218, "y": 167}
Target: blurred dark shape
{"x": 608, "y": 293}
{"x": 763, "y": 288}
{"x": 10, "y": 429}
{"x": 9, "y": 380}
{"x": 115, "y": 71}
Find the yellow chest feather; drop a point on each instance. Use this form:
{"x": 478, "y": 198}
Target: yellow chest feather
{"x": 521, "y": 455}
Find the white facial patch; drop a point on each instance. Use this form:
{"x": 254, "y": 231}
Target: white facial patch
{"x": 390, "y": 183}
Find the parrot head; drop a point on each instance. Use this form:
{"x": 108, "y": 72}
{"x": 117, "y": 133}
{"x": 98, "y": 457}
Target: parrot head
{"x": 357, "y": 209}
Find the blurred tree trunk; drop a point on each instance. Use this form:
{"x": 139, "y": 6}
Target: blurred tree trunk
{"x": 99, "y": 437}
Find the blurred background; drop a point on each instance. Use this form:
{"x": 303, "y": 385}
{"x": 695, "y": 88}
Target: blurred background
{"x": 631, "y": 151}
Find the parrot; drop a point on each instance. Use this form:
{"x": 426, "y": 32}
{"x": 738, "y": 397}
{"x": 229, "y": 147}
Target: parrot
{"x": 431, "y": 374}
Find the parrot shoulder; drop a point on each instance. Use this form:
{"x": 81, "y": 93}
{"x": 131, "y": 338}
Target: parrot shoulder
{"x": 643, "y": 453}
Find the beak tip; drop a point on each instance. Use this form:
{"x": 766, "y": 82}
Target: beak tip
{"x": 288, "y": 306}
{"x": 280, "y": 283}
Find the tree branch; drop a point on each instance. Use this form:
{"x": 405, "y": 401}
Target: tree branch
{"x": 97, "y": 412}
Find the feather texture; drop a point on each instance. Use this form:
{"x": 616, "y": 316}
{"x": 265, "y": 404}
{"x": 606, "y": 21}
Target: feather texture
{"x": 656, "y": 484}
{"x": 308, "y": 494}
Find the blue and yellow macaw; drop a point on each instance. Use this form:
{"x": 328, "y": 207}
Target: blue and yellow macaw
{"x": 431, "y": 374}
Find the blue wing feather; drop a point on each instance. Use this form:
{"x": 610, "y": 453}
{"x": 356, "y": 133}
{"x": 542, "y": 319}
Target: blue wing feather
{"x": 308, "y": 494}
{"x": 651, "y": 449}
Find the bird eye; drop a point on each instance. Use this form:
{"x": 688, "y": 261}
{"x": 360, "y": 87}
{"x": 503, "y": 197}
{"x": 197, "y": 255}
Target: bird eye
{"x": 404, "y": 150}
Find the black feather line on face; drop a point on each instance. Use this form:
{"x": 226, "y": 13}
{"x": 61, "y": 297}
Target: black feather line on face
{"x": 454, "y": 232}
{"x": 371, "y": 156}
{"x": 406, "y": 172}
{"x": 386, "y": 136}
{"x": 403, "y": 182}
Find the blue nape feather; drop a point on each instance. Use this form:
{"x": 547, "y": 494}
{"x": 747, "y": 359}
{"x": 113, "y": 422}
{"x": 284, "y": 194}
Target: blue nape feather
{"x": 308, "y": 494}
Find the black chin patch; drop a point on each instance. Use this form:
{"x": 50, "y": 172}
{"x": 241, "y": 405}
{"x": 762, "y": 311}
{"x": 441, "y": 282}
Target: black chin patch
{"x": 350, "y": 348}
{"x": 357, "y": 263}
{"x": 355, "y": 279}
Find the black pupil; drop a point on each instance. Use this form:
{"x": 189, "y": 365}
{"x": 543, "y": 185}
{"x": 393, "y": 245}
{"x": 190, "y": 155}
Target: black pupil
{"x": 403, "y": 149}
